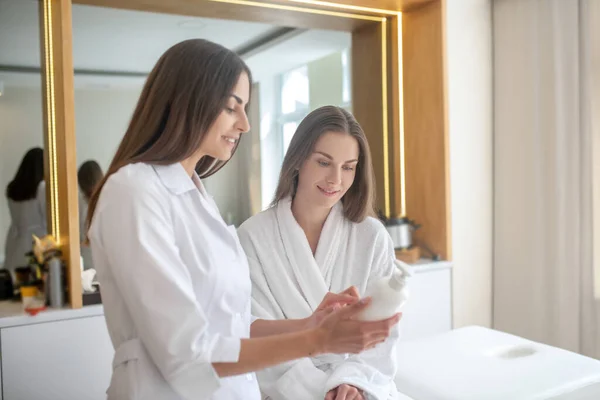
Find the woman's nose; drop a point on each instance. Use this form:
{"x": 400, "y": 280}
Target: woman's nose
{"x": 335, "y": 176}
{"x": 243, "y": 125}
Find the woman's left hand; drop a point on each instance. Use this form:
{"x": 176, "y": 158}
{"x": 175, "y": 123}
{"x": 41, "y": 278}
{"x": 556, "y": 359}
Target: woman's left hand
{"x": 330, "y": 303}
{"x": 345, "y": 392}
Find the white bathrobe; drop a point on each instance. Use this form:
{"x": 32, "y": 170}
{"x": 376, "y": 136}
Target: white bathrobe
{"x": 289, "y": 283}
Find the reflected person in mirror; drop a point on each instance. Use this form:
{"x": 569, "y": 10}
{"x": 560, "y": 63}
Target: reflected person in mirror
{"x": 26, "y": 195}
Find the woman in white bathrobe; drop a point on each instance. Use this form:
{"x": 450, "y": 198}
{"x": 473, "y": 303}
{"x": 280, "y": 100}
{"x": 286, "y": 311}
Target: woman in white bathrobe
{"x": 319, "y": 236}
{"x": 175, "y": 280}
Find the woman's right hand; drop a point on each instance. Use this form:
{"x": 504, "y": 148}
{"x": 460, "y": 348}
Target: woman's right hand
{"x": 339, "y": 333}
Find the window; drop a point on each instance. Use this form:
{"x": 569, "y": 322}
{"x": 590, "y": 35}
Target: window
{"x": 289, "y": 128}
{"x": 294, "y": 103}
{"x": 294, "y": 91}
{"x": 295, "y": 97}
{"x": 346, "y": 73}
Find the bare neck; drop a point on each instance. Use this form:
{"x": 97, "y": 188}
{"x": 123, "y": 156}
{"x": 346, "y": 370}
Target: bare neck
{"x": 311, "y": 219}
{"x": 189, "y": 164}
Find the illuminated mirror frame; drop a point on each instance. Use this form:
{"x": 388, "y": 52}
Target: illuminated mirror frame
{"x": 59, "y": 117}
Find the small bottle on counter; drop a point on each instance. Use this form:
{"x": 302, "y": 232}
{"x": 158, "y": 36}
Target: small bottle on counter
{"x": 55, "y": 282}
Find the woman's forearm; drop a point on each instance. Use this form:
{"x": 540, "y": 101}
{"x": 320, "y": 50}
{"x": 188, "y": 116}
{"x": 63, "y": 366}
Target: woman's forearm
{"x": 266, "y": 327}
{"x": 337, "y": 333}
{"x": 263, "y": 352}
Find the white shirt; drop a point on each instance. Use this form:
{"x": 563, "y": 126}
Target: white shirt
{"x": 175, "y": 287}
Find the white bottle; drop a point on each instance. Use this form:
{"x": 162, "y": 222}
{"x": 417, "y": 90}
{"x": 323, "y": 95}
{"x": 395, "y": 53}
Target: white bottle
{"x": 388, "y": 295}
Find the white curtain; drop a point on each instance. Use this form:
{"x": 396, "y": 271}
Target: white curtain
{"x": 547, "y": 171}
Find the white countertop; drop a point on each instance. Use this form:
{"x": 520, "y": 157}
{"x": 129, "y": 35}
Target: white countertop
{"x": 12, "y": 314}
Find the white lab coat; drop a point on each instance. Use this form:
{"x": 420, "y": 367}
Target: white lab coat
{"x": 175, "y": 287}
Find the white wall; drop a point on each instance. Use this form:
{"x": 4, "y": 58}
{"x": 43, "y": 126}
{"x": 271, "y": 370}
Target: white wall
{"x": 325, "y": 78}
{"x": 101, "y": 119}
{"x": 469, "y": 67}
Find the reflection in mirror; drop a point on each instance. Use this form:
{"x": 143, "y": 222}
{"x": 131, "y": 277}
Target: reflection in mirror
{"x": 23, "y": 200}
{"x": 294, "y": 71}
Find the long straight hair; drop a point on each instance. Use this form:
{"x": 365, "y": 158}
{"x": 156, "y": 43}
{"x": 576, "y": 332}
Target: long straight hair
{"x": 28, "y": 177}
{"x": 360, "y": 197}
{"x": 184, "y": 94}
{"x": 88, "y": 176}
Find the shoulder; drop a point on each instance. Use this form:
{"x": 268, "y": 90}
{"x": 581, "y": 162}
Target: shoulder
{"x": 372, "y": 231}
{"x": 371, "y": 228}
{"x": 134, "y": 187}
{"x": 132, "y": 196}
{"x": 130, "y": 180}
{"x": 258, "y": 225}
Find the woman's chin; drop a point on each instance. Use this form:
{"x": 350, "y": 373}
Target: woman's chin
{"x": 222, "y": 155}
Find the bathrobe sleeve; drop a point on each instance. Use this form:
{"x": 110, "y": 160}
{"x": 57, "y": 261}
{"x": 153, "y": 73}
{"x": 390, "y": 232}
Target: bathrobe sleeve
{"x": 373, "y": 371}
{"x": 294, "y": 380}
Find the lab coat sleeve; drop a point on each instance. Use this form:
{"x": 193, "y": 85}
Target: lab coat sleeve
{"x": 136, "y": 232}
{"x": 373, "y": 371}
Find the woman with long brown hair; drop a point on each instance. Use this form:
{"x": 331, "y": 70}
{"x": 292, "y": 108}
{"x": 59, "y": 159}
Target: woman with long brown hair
{"x": 319, "y": 235}
{"x": 175, "y": 281}
{"x": 26, "y": 196}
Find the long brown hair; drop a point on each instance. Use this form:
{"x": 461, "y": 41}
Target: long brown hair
{"x": 24, "y": 185}
{"x": 184, "y": 94}
{"x": 359, "y": 199}
{"x": 88, "y": 176}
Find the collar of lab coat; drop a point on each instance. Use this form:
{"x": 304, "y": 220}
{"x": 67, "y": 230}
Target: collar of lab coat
{"x": 175, "y": 178}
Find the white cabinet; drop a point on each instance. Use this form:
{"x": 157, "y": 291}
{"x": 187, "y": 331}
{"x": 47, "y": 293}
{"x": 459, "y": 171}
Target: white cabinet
{"x": 69, "y": 359}
{"x": 428, "y": 310}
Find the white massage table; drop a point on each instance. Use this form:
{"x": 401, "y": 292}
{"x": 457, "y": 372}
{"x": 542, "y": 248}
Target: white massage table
{"x": 476, "y": 363}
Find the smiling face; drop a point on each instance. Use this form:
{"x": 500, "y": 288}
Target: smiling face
{"x": 328, "y": 173}
{"x": 231, "y": 123}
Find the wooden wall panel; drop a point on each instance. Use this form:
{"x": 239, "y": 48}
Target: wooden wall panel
{"x": 59, "y": 136}
{"x": 394, "y": 5}
{"x": 367, "y": 97}
{"x": 397, "y": 163}
{"x": 425, "y": 124}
